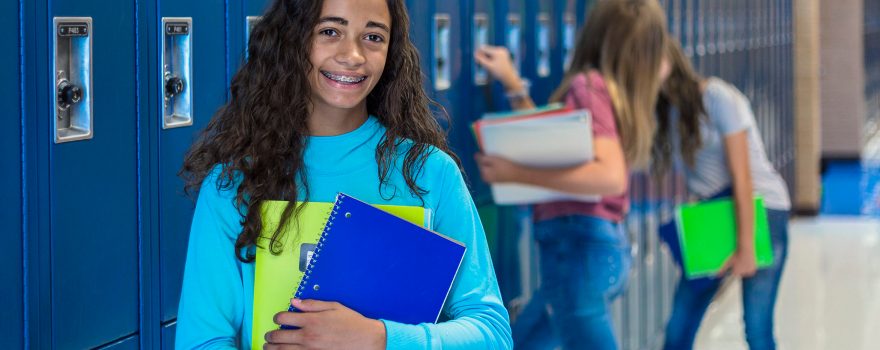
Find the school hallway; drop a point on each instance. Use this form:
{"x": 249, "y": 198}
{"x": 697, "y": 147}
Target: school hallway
{"x": 830, "y": 292}
{"x": 103, "y": 102}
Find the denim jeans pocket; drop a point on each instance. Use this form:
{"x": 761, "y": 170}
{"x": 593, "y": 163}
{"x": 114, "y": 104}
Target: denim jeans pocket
{"x": 606, "y": 270}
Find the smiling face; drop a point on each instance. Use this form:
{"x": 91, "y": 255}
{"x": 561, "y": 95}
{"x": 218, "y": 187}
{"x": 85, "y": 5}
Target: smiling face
{"x": 348, "y": 54}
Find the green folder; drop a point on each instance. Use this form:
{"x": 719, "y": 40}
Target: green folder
{"x": 707, "y": 232}
{"x": 276, "y": 277}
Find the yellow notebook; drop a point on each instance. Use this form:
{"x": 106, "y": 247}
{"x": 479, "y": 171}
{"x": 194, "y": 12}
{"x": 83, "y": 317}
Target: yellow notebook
{"x": 276, "y": 277}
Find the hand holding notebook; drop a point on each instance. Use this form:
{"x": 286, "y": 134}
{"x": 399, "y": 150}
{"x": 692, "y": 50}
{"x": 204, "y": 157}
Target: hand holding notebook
{"x": 380, "y": 265}
{"x": 276, "y": 277}
{"x": 706, "y": 235}
{"x": 544, "y": 139}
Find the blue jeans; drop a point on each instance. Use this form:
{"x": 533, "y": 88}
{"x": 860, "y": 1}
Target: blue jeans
{"x": 692, "y": 297}
{"x": 585, "y": 262}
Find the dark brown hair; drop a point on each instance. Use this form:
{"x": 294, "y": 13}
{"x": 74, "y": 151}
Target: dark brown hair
{"x": 682, "y": 91}
{"x": 259, "y": 136}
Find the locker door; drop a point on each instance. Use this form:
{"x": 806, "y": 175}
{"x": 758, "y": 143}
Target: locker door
{"x": 631, "y": 313}
{"x": 568, "y": 34}
{"x": 86, "y": 163}
{"x": 10, "y": 184}
{"x": 688, "y": 29}
{"x": 710, "y": 21}
{"x": 241, "y": 17}
{"x": 191, "y": 40}
{"x": 542, "y": 45}
{"x": 510, "y": 29}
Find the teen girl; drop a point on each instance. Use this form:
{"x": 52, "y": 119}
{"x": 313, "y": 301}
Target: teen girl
{"x": 713, "y": 128}
{"x": 615, "y": 73}
{"x": 330, "y": 100}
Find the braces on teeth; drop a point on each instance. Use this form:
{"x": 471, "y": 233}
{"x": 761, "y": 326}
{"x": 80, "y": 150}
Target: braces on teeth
{"x": 343, "y": 78}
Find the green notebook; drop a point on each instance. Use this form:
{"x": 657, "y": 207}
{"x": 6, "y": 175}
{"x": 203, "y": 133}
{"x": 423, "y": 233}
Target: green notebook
{"x": 276, "y": 277}
{"x": 707, "y": 232}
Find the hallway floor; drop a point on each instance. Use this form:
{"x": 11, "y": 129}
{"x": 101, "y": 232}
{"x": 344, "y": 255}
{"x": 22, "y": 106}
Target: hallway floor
{"x": 830, "y": 293}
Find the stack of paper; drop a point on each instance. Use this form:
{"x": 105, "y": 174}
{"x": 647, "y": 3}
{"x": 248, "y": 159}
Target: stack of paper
{"x": 553, "y": 138}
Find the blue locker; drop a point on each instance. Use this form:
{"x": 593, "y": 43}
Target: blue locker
{"x": 10, "y": 185}
{"x": 688, "y": 28}
{"x": 241, "y": 16}
{"x": 81, "y": 172}
{"x": 632, "y": 314}
{"x": 189, "y": 35}
{"x": 711, "y": 34}
{"x": 570, "y": 18}
{"x": 510, "y": 29}
{"x": 542, "y": 45}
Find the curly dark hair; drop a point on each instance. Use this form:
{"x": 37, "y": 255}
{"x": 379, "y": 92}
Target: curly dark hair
{"x": 259, "y": 136}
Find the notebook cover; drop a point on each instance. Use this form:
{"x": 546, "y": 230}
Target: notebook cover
{"x": 524, "y": 141}
{"x": 381, "y": 266}
{"x": 707, "y": 234}
{"x": 276, "y": 277}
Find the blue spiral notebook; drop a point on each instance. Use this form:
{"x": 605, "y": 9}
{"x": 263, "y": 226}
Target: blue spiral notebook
{"x": 380, "y": 265}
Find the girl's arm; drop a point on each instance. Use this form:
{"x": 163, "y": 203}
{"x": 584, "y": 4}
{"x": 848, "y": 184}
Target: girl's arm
{"x": 605, "y": 175}
{"x": 736, "y": 148}
{"x": 211, "y": 301}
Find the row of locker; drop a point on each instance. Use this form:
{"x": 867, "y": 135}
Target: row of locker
{"x": 872, "y": 64}
{"x": 124, "y": 88}
{"x": 102, "y": 219}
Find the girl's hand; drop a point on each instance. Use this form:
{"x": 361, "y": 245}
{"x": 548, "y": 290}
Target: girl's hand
{"x": 325, "y": 325}
{"x": 496, "y": 169}
{"x": 741, "y": 264}
{"x": 497, "y": 61}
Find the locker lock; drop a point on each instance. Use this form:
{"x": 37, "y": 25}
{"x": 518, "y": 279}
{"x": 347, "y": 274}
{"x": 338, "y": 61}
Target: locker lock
{"x": 68, "y": 94}
{"x": 173, "y": 86}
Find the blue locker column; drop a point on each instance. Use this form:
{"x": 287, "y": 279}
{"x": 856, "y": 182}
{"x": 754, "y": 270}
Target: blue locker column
{"x": 741, "y": 56}
{"x": 541, "y": 46}
{"x": 698, "y": 9}
{"x": 516, "y": 263}
{"x": 872, "y": 61}
{"x": 688, "y": 34}
{"x": 11, "y": 324}
{"x": 241, "y": 17}
{"x": 510, "y": 29}
{"x": 81, "y": 172}
{"x": 712, "y": 21}
{"x": 571, "y": 16}
{"x": 189, "y": 79}
{"x": 631, "y": 325}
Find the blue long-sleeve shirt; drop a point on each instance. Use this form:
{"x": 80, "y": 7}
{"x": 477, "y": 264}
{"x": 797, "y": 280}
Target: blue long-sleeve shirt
{"x": 216, "y": 304}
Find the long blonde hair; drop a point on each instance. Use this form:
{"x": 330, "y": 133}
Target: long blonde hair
{"x": 625, "y": 41}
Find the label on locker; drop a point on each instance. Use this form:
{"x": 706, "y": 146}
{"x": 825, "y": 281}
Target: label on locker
{"x": 175, "y": 28}
{"x": 73, "y": 29}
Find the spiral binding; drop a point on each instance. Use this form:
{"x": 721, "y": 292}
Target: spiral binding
{"x": 331, "y": 216}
